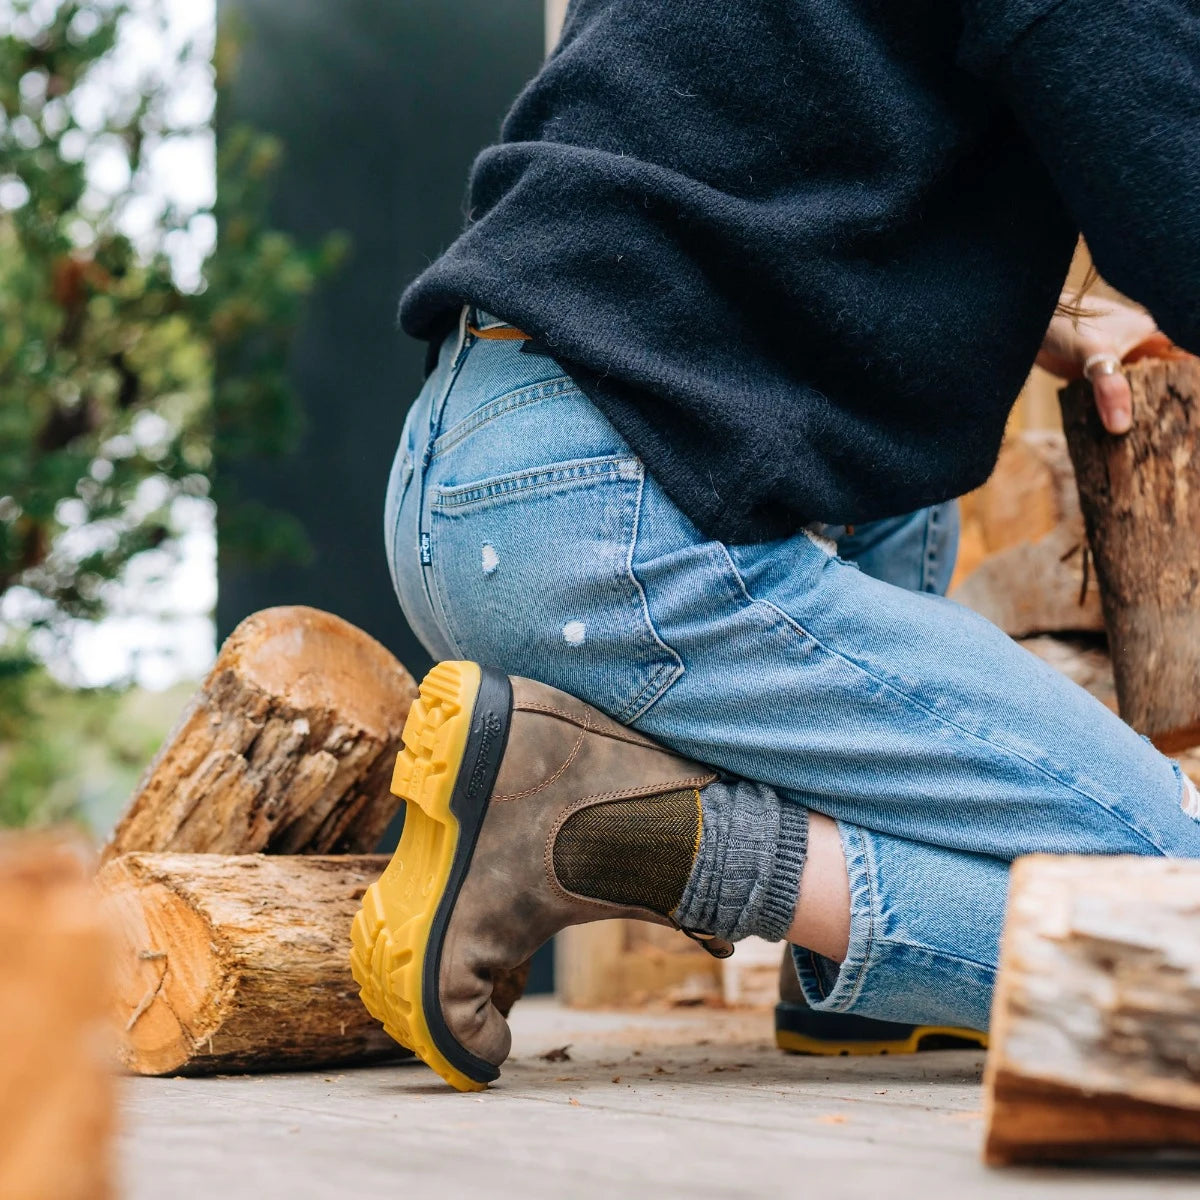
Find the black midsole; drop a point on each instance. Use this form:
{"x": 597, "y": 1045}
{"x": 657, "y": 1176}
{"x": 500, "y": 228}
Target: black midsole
{"x": 484, "y": 751}
{"x": 840, "y": 1027}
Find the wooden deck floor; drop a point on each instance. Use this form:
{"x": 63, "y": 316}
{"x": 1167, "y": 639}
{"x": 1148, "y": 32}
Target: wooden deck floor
{"x": 685, "y": 1104}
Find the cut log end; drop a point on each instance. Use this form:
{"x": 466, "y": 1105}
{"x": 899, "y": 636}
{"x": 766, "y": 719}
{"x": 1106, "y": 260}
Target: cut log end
{"x": 314, "y": 660}
{"x": 171, "y": 994}
{"x": 242, "y": 962}
{"x": 287, "y": 747}
{"x": 237, "y": 962}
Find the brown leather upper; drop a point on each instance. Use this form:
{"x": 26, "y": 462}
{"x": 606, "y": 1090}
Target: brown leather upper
{"x": 562, "y": 755}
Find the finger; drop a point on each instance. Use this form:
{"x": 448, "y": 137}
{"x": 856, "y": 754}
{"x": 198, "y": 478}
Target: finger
{"x": 1114, "y": 401}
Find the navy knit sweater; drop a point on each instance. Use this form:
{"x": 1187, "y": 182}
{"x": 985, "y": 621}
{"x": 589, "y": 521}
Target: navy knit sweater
{"x": 802, "y": 253}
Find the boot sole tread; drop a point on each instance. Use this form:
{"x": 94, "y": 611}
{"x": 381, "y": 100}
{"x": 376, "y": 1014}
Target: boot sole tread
{"x": 391, "y": 930}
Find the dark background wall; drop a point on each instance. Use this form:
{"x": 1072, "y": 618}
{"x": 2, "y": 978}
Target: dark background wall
{"x": 381, "y": 108}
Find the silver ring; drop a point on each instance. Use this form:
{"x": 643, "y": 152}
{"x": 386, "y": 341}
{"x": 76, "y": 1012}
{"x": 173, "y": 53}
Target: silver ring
{"x": 1109, "y": 364}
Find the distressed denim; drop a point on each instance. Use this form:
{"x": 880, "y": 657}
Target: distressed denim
{"x": 522, "y": 532}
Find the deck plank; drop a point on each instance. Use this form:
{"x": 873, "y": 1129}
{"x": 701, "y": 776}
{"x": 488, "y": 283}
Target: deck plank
{"x": 684, "y": 1104}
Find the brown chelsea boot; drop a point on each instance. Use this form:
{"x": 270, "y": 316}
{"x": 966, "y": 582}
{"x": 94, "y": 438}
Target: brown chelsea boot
{"x": 493, "y": 770}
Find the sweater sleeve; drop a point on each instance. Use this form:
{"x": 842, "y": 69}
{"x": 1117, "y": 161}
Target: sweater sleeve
{"x": 1109, "y": 93}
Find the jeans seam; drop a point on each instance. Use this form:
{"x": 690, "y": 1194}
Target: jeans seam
{"x": 856, "y": 966}
{"x": 486, "y": 413}
{"x": 928, "y": 551}
{"x": 861, "y": 968}
{"x": 816, "y": 974}
{"x": 433, "y": 599}
{"x": 581, "y": 470}
{"x": 948, "y": 955}
{"x": 438, "y": 408}
{"x": 674, "y": 672}
{"x": 910, "y": 699}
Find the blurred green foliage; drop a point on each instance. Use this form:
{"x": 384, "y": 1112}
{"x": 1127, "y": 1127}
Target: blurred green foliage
{"x": 74, "y": 755}
{"x": 110, "y": 409}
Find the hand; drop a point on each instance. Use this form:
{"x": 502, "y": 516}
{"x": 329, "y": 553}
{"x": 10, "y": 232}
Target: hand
{"x": 1116, "y": 329}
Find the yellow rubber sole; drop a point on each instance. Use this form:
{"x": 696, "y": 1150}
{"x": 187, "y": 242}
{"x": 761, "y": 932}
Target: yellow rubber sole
{"x": 391, "y": 931}
{"x": 799, "y": 1043}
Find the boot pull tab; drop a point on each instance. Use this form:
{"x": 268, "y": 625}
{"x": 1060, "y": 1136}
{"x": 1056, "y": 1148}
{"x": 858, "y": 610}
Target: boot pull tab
{"x": 716, "y": 946}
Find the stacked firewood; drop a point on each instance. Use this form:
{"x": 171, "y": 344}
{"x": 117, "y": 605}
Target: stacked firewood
{"x": 1024, "y": 560}
{"x": 1095, "y": 1045}
{"x": 220, "y": 939}
{"x": 231, "y": 882}
{"x": 1113, "y": 582}
{"x": 234, "y": 875}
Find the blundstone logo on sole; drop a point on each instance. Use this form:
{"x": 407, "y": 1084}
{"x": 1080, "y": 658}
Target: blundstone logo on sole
{"x": 490, "y": 727}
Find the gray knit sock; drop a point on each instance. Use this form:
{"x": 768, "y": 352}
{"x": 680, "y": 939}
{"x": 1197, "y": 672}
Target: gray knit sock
{"x": 747, "y": 872}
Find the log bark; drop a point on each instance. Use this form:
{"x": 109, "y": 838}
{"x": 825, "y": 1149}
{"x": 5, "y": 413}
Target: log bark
{"x": 57, "y": 1087}
{"x": 1095, "y": 1040}
{"x": 1140, "y": 495}
{"x": 288, "y": 746}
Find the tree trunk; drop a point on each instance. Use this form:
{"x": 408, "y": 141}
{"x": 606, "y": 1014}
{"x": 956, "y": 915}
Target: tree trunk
{"x": 288, "y": 746}
{"x": 1140, "y": 495}
{"x": 57, "y": 1091}
{"x": 1095, "y": 1038}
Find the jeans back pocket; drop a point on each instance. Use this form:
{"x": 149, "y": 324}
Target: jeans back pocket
{"x": 533, "y": 574}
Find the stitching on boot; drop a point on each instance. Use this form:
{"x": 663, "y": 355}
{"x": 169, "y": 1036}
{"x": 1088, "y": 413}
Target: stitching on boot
{"x": 625, "y": 735}
{"x": 546, "y": 782}
{"x": 630, "y": 793}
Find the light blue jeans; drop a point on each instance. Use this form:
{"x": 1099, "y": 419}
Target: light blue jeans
{"x": 524, "y": 533}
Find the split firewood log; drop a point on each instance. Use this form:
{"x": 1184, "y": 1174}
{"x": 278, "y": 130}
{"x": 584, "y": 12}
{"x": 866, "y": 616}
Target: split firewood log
{"x": 1030, "y": 492}
{"x": 1036, "y": 587}
{"x": 1140, "y": 495}
{"x": 1023, "y": 559}
{"x": 57, "y": 1084}
{"x": 1095, "y": 1034}
{"x": 241, "y": 962}
{"x": 238, "y": 962}
{"x": 287, "y": 747}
